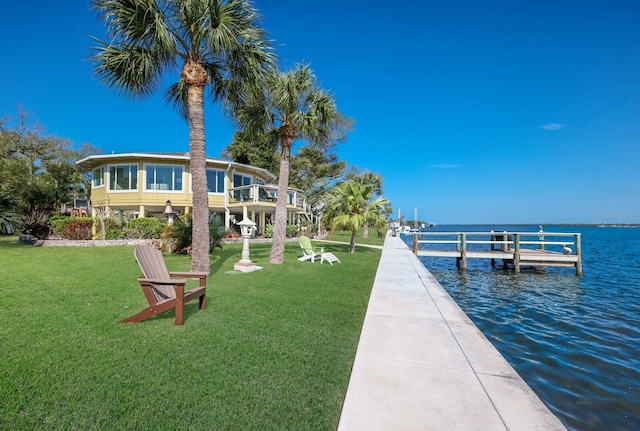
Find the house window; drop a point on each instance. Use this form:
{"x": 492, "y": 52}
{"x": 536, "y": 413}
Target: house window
{"x": 163, "y": 177}
{"x": 97, "y": 177}
{"x": 123, "y": 177}
{"x": 240, "y": 180}
{"x": 215, "y": 180}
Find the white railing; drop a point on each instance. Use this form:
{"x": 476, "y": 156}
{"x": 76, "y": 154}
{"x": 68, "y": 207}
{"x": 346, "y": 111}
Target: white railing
{"x": 514, "y": 245}
{"x": 259, "y": 193}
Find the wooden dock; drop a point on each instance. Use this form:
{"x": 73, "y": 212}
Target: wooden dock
{"x": 539, "y": 249}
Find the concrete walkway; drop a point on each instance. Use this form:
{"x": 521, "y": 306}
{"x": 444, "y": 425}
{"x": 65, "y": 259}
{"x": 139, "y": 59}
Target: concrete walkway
{"x": 421, "y": 364}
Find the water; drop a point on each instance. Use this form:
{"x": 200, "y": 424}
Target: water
{"x": 574, "y": 339}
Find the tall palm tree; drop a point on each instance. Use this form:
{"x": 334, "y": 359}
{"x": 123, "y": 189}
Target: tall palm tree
{"x": 215, "y": 43}
{"x": 353, "y": 204}
{"x": 292, "y": 107}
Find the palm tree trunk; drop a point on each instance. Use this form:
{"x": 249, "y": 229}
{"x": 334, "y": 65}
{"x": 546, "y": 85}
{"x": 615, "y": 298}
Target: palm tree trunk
{"x": 365, "y": 230}
{"x": 280, "y": 223}
{"x": 197, "y": 153}
{"x": 352, "y": 244}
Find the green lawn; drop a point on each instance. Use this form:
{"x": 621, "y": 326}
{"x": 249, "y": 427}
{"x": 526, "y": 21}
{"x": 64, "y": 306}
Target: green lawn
{"x": 372, "y": 238}
{"x": 272, "y": 351}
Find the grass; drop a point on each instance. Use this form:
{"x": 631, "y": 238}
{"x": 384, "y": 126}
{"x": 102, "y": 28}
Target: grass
{"x": 273, "y": 349}
{"x": 372, "y": 238}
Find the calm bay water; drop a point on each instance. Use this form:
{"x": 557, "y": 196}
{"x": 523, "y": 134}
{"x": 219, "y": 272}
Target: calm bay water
{"x": 574, "y": 339}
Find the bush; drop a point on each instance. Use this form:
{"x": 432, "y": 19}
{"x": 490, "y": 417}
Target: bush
{"x": 74, "y": 228}
{"x": 180, "y": 235}
{"x": 268, "y": 231}
{"x": 144, "y": 228}
{"x": 292, "y": 230}
{"x": 77, "y": 230}
{"x": 37, "y": 224}
{"x": 113, "y": 229}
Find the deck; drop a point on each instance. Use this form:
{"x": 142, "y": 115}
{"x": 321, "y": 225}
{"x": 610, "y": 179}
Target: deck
{"x": 517, "y": 249}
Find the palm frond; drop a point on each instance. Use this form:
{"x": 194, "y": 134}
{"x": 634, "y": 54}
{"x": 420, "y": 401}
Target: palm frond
{"x": 177, "y": 95}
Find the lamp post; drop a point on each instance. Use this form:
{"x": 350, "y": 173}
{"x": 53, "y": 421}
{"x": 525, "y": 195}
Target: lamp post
{"x": 169, "y": 212}
{"x": 246, "y": 227}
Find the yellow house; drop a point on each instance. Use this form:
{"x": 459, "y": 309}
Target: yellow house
{"x": 144, "y": 183}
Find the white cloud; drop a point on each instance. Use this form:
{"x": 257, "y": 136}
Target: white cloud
{"x": 552, "y": 126}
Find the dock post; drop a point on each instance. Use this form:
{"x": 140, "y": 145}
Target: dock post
{"x": 415, "y": 244}
{"x": 579, "y": 254}
{"x": 463, "y": 253}
{"x": 516, "y": 253}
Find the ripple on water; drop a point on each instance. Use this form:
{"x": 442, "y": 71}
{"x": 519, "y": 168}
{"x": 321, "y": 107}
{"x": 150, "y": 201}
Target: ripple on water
{"x": 574, "y": 340}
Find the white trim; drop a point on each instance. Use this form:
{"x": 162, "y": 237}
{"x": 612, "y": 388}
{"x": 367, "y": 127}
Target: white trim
{"x": 178, "y": 156}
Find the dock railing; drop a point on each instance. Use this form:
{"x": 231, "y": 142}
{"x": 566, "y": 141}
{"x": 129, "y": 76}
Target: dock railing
{"x": 517, "y": 248}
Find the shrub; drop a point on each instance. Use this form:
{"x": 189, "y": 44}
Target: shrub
{"x": 179, "y": 236}
{"x": 144, "y": 228}
{"x": 113, "y": 229}
{"x": 36, "y": 224}
{"x": 292, "y": 230}
{"x": 74, "y": 228}
{"x": 268, "y": 231}
{"x": 77, "y": 230}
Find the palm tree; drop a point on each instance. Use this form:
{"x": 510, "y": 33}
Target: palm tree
{"x": 291, "y": 107}
{"x": 367, "y": 177}
{"x": 353, "y": 204}
{"x": 215, "y": 43}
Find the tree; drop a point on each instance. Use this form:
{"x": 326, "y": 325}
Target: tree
{"x": 352, "y": 205}
{"x": 315, "y": 171}
{"x": 260, "y": 151}
{"x": 366, "y": 177}
{"x": 38, "y": 171}
{"x": 292, "y": 107}
{"x": 215, "y": 43}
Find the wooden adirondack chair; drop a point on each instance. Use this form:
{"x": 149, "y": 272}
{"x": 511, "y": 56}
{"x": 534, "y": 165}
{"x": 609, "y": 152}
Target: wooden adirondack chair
{"x": 162, "y": 292}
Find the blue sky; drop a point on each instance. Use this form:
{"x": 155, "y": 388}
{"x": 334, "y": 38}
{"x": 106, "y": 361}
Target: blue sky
{"x": 472, "y": 111}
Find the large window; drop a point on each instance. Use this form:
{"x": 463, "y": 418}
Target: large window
{"x": 240, "y": 180}
{"x": 215, "y": 180}
{"x": 163, "y": 177}
{"x": 97, "y": 177}
{"x": 123, "y": 177}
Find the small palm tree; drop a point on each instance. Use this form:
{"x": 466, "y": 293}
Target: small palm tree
{"x": 352, "y": 204}
{"x": 291, "y": 107}
{"x": 367, "y": 177}
{"x": 215, "y": 43}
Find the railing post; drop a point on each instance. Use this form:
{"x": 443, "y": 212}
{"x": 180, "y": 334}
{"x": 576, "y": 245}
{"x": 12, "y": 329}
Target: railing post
{"x": 415, "y": 244}
{"x": 578, "y": 254}
{"x": 516, "y": 253}
{"x": 464, "y": 251}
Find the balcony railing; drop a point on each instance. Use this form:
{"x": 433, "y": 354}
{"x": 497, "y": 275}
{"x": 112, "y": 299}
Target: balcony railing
{"x": 258, "y": 193}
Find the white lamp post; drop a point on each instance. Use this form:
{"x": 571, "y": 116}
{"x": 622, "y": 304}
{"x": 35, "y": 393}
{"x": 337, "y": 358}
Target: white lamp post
{"x": 246, "y": 227}
{"x": 169, "y": 212}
